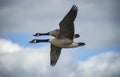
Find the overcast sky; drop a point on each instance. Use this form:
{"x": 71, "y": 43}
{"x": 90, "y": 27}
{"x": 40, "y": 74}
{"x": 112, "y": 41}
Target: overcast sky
{"x": 97, "y": 23}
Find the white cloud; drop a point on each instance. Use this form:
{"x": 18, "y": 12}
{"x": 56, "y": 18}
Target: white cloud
{"x": 8, "y": 47}
{"x": 34, "y": 62}
{"x": 103, "y": 65}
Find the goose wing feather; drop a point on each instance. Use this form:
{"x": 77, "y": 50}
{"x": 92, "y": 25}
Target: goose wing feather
{"x": 54, "y": 54}
{"x": 67, "y": 24}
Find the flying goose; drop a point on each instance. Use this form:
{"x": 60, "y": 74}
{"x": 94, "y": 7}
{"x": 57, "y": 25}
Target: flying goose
{"x": 65, "y": 36}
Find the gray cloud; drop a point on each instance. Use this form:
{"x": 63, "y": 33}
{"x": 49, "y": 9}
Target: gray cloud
{"x": 17, "y": 16}
{"x": 7, "y": 3}
{"x": 34, "y": 62}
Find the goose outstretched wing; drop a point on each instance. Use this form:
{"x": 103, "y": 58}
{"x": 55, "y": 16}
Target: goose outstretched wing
{"x": 67, "y": 24}
{"x": 54, "y": 54}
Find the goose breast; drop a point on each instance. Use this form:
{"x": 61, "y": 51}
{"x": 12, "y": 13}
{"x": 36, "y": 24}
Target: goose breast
{"x": 62, "y": 43}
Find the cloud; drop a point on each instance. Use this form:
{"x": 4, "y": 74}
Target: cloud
{"x": 29, "y": 15}
{"x": 24, "y": 60}
{"x": 33, "y": 15}
{"x": 34, "y": 62}
{"x": 101, "y": 65}
{"x": 97, "y": 36}
{"x": 8, "y": 47}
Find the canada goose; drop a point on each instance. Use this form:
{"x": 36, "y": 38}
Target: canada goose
{"x": 54, "y": 33}
{"x": 65, "y": 37}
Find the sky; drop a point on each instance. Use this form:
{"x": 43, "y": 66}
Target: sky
{"x": 97, "y": 22}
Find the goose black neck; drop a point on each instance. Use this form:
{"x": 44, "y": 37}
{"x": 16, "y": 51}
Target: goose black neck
{"x": 43, "y": 40}
{"x": 44, "y": 33}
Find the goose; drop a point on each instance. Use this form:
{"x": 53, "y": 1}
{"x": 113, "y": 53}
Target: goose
{"x": 65, "y": 36}
{"x": 54, "y": 33}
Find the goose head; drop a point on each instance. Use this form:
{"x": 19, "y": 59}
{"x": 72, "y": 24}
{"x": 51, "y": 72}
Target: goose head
{"x": 37, "y": 34}
{"x": 39, "y": 40}
{"x": 34, "y": 41}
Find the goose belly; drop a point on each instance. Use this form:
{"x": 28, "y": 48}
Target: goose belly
{"x": 64, "y": 43}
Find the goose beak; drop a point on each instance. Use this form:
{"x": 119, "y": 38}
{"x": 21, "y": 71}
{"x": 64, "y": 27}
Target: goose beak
{"x": 34, "y": 35}
{"x": 37, "y": 34}
{"x": 31, "y": 42}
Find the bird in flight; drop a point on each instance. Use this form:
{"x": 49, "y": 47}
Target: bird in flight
{"x": 64, "y": 37}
